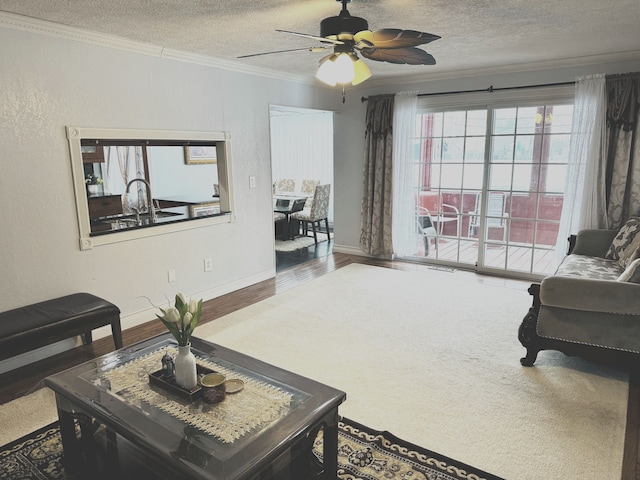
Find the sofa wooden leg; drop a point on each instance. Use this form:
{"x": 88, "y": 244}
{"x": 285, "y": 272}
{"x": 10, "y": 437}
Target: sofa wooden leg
{"x": 530, "y": 358}
{"x": 527, "y": 333}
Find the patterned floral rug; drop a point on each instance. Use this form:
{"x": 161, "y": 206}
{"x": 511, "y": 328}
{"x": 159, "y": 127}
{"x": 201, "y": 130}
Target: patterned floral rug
{"x": 363, "y": 454}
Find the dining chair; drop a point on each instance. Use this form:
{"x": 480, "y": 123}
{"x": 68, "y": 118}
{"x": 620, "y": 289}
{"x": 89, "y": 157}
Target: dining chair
{"x": 309, "y": 187}
{"x": 318, "y": 212}
{"x": 285, "y": 185}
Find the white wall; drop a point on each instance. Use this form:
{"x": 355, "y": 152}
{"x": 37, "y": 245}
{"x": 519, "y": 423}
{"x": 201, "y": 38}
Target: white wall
{"x": 49, "y": 82}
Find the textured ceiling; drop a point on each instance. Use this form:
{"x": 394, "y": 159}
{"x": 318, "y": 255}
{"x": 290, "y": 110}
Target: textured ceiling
{"x": 476, "y": 34}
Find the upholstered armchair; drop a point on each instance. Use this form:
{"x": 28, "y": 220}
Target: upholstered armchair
{"x": 318, "y": 212}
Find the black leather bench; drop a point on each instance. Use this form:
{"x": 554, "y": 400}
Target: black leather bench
{"x": 32, "y": 326}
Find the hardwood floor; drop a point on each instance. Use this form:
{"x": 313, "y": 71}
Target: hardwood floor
{"x": 291, "y": 273}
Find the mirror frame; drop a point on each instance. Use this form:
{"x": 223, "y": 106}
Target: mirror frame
{"x": 75, "y": 135}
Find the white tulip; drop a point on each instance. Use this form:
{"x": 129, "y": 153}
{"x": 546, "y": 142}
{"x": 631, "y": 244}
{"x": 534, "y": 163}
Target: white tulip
{"x": 172, "y": 315}
{"x": 182, "y": 297}
{"x": 193, "y": 307}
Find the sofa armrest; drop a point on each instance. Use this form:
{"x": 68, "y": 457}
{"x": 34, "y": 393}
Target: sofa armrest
{"x": 593, "y": 243}
{"x": 587, "y": 295}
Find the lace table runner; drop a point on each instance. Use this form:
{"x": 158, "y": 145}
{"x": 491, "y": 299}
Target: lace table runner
{"x": 257, "y": 405}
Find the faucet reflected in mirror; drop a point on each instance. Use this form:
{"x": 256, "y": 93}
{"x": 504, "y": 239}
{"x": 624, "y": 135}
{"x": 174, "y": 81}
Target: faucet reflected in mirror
{"x": 153, "y": 217}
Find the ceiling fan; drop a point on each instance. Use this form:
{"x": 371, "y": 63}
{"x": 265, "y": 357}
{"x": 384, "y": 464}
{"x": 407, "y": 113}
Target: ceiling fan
{"x": 348, "y": 34}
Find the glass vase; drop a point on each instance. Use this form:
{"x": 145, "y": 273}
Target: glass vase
{"x": 186, "y": 373}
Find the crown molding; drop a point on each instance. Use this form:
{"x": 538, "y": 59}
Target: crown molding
{"x": 44, "y": 27}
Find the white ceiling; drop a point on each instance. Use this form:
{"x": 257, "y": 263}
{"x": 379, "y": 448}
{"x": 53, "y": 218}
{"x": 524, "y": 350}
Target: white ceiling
{"x": 485, "y": 35}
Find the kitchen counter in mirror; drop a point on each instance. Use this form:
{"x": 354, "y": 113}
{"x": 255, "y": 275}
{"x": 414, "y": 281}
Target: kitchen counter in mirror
{"x": 118, "y": 223}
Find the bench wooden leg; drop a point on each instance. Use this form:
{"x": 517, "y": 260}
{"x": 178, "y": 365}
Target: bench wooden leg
{"x": 87, "y": 338}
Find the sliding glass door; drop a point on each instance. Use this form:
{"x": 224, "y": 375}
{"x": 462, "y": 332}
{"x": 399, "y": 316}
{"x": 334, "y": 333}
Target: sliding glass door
{"x": 488, "y": 186}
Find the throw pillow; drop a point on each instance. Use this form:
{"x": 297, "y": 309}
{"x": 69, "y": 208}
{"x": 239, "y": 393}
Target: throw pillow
{"x": 623, "y": 239}
{"x": 630, "y": 253}
{"x": 631, "y": 273}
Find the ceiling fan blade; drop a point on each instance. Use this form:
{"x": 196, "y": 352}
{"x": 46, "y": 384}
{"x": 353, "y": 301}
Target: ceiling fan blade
{"x": 407, "y": 55}
{"x": 313, "y": 37}
{"x": 392, "y": 38}
{"x": 311, "y": 49}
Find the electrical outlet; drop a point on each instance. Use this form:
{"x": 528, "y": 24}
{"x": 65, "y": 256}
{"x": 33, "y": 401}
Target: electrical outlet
{"x": 208, "y": 264}
{"x": 252, "y": 181}
{"x": 171, "y": 275}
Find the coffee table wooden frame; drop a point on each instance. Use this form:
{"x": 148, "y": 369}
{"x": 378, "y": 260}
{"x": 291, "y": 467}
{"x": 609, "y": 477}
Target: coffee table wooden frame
{"x": 290, "y": 438}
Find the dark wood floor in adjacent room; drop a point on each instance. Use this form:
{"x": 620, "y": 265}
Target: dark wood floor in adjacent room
{"x": 292, "y": 270}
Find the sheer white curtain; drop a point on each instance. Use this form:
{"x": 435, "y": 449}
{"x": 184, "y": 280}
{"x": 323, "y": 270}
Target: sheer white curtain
{"x": 403, "y": 204}
{"x": 584, "y": 200}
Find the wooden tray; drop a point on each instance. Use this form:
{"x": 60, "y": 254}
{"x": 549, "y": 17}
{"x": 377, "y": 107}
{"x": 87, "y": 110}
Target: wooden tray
{"x": 171, "y": 386}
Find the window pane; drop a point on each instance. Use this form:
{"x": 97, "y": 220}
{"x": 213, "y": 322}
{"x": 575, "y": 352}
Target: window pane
{"x": 502, "y": 149}
{"x": 495, "y": 256}
{"x": 527, "y": 119}
{"x": 524, "y": 148}
{"x": 550, "y": 207}
{"x": 432, "y": 149}
{"x": 523, "y": 205}
{"x": 500, "y": 177}
{"x": 556, "y": 178}
{"x": 435, "y": 175}
{"x": 522, "y": 261}
{"x": 473, "y": 176}
{"x": 558, "y": 148}
{"x": 559, "y": 118}
{"x": 454, "y": 124}
{"x": 523, "y": 180}
{"x": 474, "y": 151}
{"x": 451, "y": 176}
{"x": 477, "y": 122}
{"x": 436, "y": 128}
{"x": 453, "y": 150}
{"x": 504, "y": 121}
{"x": 544, "y": 261}
{"x": 546, "y": 234}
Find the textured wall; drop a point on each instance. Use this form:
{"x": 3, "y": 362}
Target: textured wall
{"x": 47, "y": 83}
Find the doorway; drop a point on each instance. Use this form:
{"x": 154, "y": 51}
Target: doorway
{"x": 301, "y": 154}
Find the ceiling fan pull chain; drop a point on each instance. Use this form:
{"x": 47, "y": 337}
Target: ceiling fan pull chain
{"x": 343, "y": 99}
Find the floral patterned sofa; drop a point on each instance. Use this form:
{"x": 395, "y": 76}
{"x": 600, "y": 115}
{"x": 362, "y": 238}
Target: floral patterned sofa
{"x": 591, "y": 305}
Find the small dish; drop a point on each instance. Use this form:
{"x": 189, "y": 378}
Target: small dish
{"x": 234, "y": 385}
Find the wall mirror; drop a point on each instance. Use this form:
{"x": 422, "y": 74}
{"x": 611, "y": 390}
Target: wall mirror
{"x": 136, "y": 183}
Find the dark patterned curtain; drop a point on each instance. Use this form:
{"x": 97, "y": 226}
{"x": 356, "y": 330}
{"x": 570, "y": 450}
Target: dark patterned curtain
{"x": 375, "y": 224}
{"x": 623, "y": 150}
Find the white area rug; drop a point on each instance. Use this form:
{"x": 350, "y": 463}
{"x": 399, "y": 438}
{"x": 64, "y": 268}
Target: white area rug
{"x": 435, "y": 360}
{"x": 297, "y": 243}
{"x": 432, "y": 358}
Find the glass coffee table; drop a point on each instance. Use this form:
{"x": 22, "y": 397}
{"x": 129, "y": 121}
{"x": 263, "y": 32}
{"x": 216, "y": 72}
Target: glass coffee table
{"x": 116, "y": 423}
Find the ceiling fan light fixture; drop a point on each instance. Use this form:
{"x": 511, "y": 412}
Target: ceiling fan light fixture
{"x": 361, "y": 71}
{"x": 337, "y": 68}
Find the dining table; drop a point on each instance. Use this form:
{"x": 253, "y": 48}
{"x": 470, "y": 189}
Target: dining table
{"x": 288, "y": 203}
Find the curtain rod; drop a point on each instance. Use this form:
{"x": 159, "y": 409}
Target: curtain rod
{"x": 491, "y": 89}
